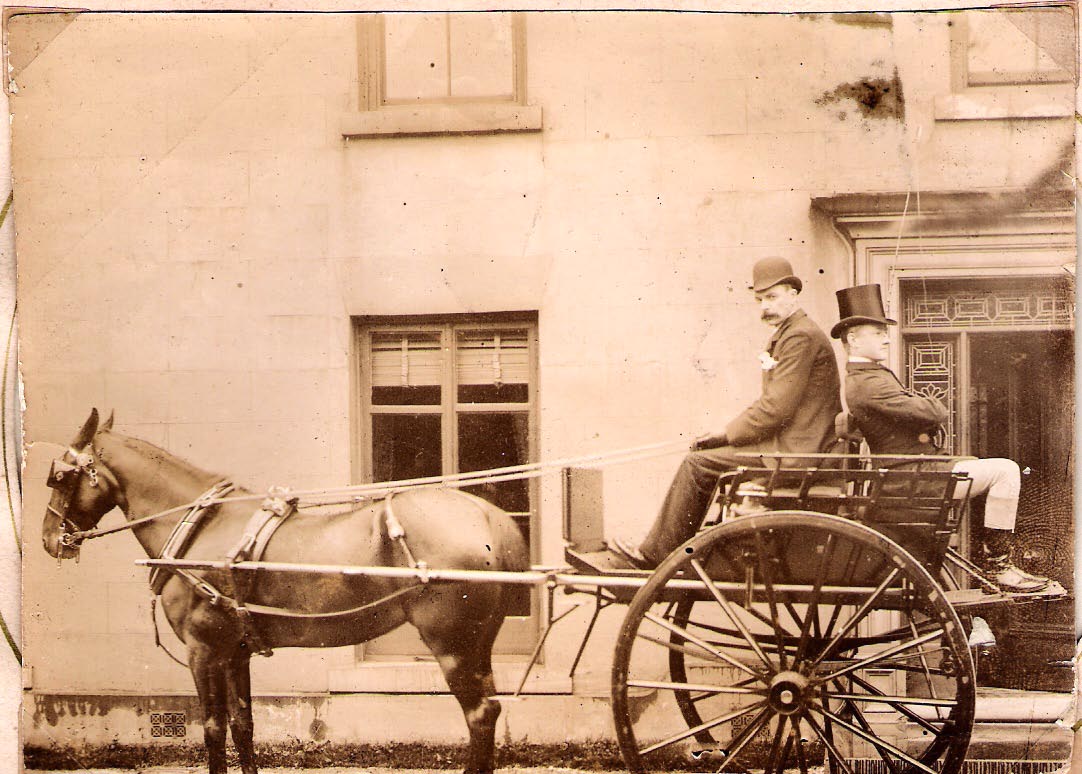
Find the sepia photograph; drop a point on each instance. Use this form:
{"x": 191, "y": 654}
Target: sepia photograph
{"x": 545, "y": 390}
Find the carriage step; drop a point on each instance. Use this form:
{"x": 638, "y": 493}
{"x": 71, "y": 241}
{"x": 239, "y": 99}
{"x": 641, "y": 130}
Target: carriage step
{"x": 968, "y": 598}
{"x": 600, "y": 563}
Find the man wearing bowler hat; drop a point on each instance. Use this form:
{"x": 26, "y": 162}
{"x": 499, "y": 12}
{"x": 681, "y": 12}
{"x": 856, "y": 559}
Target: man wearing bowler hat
{"x": 895, "y": 420}
{"x": 795, "y": 413}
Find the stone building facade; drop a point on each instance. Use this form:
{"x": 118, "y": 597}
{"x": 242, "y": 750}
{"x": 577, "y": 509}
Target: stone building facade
{"x": 252, "y": 234}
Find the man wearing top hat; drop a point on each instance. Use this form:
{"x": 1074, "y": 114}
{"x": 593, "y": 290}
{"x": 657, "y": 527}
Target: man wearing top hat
{"x": 795, "y": 413}
{"x": 895, "y": 420}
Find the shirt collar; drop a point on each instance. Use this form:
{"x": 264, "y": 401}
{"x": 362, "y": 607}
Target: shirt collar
{"x": 794, "y": 315}
{"x": 859, "y": 359}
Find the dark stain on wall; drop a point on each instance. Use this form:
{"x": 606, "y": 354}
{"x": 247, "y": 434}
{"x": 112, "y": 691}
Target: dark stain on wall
{"x": 52, "y": 708}
{"x": 874, "y": 97}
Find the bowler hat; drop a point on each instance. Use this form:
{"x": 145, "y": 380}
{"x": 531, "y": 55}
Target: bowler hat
{"x": 859, "y": 305}
{"x": 772, "y": 271}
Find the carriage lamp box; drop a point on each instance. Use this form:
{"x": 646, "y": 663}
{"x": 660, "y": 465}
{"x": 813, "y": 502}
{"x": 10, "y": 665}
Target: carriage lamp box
{"x": 584, "y": 527}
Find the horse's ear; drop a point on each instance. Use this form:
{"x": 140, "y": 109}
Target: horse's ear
{"x": 108, "y": 424}
{"x": 87, "y": 433}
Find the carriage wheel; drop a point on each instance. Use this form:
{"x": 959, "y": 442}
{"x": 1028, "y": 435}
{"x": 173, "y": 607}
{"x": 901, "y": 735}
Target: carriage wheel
{"x": 818, "y": 639}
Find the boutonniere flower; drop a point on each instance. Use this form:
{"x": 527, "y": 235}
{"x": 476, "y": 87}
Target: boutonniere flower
{"x": 766, "y": 361}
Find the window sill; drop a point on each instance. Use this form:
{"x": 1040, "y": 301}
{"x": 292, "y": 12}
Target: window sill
{"x": 420, "y": 120}
{"x": 426, "y": 677}
{"x": 1005, "y": 103}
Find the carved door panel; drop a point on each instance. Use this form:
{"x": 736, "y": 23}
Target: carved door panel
{"x": 999, "y": 354}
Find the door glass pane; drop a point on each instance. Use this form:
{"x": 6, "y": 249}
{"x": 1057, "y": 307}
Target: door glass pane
{"x": 496, "y": 440}
{"x": 405, "y": 446}
{"x": 931, "y": 370}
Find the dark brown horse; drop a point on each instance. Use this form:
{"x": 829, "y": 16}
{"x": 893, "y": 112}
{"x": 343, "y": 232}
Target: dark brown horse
{"x": 444, "y": 528}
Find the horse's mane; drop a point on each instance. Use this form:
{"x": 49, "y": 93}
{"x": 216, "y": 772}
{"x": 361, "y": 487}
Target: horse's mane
{"x": 148, "y": 449}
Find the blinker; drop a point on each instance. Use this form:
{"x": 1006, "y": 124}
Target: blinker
{"x": 61, "y": 475}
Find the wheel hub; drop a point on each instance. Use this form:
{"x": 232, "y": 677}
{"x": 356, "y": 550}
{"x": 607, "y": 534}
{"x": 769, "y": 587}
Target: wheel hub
{"x": 787, "y": 691}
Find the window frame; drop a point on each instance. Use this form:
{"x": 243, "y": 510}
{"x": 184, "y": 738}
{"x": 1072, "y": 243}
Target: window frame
{"x": 448, "y": 115}
{"x": 1002, "y": 97}
{"x": 519, "y": 633}
{"x": 963, "y": 78}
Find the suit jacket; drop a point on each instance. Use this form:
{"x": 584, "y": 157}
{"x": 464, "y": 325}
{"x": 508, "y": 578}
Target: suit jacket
{"x": 800, "y": 396}
{"x": 894, "y": 420}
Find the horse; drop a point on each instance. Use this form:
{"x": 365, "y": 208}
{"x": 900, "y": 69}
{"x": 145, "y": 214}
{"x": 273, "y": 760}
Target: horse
{"x": 444, "y": 528}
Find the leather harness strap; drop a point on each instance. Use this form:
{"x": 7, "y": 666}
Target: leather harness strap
{"x": 181, "y": 536}
{"x": 257, "y": 533}
{"x": 253, "y": 542}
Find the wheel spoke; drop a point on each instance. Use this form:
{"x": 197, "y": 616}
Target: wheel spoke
{"x": 776, "y": 747}
{"x": 798, "y": 743}
{"x": 855, "y": 552}
{"x": 881, "y": 656}
{"x": 922, "y": 722}
{"x": 763, "y": 561}
{"x": 744, "y": 737}
{"x": 894, "y": 700}
{"x": 726, "y": 607}
{"x": 858, "y": 616}
{"x": 923, "y": 657}
{"x": 872, "y": 739}
{"x": 701, "y": 643}
{"x": 863, "y": 721}
{"x": 663, "y": 685}
{"x": 706, "y": 726}
{"x": 735, "y": 635}
{"x": 827, "y": 742}
{"x": 813, "y": 602}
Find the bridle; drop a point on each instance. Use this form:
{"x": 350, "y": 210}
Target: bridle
{"x": 64, "y": 477}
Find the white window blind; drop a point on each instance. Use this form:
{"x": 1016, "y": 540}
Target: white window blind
{"x": 492, "y": 357}
{"x": 405, "y": 359}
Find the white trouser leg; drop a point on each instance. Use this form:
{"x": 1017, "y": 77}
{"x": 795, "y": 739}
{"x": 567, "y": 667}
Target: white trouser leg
{"x": 1001, "y": 481}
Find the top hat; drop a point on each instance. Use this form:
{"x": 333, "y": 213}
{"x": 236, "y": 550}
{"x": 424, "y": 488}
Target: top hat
{"x": 772, "y": 271}
{"x": 859, "y": 305}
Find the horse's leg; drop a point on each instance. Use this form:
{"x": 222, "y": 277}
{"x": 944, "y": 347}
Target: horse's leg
{"x": 210, "y": 683}
{"x": 464, "y": 653}
{"x": 239, "y": 686}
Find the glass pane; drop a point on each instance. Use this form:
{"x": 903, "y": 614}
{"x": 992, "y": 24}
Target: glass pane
{"x": 493, "y": 393}
{"x": 415, "y": 50}
{"x": 406, "y": 396}
{"x": 481, "y": 55}
{"x": 406, "y": 446}
{"x": 496, "y": 441}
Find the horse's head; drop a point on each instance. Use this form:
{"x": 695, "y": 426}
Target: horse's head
{"x": 84, "y": 490}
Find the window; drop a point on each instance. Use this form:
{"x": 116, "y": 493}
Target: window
{"x": 448, "y": 56}
{"x": 1011, "y": 63}
{"x": 453, "y": 395}
{"x": 1019, "y": 46}
{"x": 441, "y": 73}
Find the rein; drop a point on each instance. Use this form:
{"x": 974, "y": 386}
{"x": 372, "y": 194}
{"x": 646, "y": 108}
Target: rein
{"x": 361, "y": 492}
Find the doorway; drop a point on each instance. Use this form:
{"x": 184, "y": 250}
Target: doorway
{"x": 1000, "y": 354}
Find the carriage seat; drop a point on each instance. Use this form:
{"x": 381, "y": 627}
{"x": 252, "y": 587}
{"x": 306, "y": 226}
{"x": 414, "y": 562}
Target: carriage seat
{"x": 848, "y": 440}
{"x": 847, "y": 432}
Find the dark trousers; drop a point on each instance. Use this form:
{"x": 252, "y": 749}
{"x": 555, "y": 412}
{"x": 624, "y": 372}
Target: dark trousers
{"x": 688, "y": 499}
